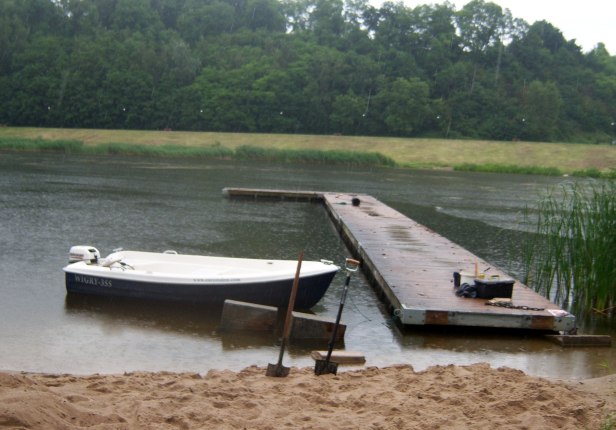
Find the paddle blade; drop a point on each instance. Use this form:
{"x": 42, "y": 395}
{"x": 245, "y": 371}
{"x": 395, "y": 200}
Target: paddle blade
{"x": 323, "y": 367}
{"x": 277, "y": 370}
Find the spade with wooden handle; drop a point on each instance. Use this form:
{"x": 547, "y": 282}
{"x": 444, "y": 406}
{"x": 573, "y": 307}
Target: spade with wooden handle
{"x": 278, "y": 370}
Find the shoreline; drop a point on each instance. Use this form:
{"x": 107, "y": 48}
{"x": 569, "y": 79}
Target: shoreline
{"x": 535, "y": 158}
{"x": 472, "y": 397}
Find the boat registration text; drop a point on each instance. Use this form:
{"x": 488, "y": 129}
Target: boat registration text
{"x": 91, "y": 280}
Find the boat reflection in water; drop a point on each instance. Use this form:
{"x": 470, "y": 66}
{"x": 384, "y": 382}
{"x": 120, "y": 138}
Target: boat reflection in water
{"x": 187, "y": 319}
{"x": 197, "y": 321}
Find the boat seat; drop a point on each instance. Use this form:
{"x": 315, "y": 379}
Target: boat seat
{"x": 108, "y": 262}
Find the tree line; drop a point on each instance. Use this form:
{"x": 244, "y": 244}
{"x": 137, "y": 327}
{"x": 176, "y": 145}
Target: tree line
{"x": 301, "y": 66}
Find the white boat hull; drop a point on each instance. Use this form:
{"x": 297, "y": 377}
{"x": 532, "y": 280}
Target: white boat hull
{"x": 199, "y": 279}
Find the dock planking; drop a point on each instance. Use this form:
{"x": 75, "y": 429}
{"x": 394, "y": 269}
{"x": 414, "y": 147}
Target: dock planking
{"x": 411, "y": 267}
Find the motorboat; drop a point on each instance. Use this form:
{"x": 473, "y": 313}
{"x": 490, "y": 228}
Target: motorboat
{"x": 172, "y": 276}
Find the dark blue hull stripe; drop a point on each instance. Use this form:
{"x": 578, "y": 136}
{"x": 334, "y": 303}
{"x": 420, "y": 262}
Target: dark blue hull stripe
{"x": 310, "y": 290}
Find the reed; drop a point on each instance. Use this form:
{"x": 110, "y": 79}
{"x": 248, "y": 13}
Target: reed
{"x": 571, "y": 258}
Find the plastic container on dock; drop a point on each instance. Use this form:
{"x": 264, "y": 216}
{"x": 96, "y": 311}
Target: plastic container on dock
{"x": 494, "y": 287}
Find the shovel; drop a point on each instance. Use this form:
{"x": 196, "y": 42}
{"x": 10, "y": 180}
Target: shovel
{"x": 323, "y": 367}
{"x": 278, "y": 370}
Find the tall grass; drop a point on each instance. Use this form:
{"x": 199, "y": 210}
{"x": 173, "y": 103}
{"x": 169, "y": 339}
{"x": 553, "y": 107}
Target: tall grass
{"x": 215, "y": 151}
{"x": 417, "y": 153}
{"x": 591, "y": 172}
{"x": 77, "y": 147}
{"x": 610, "y": 422}
{"x": 572, "y": 256}
{"x": 354, "y": 158}
{"x": 31, "y": 145}
{"x": 508, "y": 168}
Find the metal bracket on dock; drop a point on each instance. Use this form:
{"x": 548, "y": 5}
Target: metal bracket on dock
{"x": 411, "y": 316}
{"x": 414, "y": 316}
{"x": 565, "y": 324}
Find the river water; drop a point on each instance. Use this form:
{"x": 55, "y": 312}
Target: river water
{"x": 49, "y": 202}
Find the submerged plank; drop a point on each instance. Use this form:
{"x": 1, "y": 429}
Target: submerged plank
{"x": 257, "y": 193}
{"x": 340, "y": 357}
{"x": 581, "y": 340}
{"x": 242, "y": 316}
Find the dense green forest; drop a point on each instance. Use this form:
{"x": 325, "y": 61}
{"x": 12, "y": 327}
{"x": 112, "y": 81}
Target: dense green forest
{"x": 301, "y": 66}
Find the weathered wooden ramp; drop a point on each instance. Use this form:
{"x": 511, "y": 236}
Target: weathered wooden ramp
{"x": 411, "y": 267}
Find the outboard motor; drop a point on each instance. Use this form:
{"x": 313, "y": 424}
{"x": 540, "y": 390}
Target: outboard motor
{"x": 83, "y": 253}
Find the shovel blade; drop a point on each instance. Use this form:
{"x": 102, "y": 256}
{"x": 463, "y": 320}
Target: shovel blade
{"x": 323, "y": 367}
{"x": 277, "y": 370}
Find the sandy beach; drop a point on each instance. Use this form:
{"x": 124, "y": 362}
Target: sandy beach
{"x": 397, "y": 397}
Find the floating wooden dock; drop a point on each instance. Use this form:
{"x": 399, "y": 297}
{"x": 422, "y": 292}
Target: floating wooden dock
{"x": 411, "y": 267}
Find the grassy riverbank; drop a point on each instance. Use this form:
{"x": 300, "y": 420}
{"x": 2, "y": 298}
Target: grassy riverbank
{"x": 510, "y": 157}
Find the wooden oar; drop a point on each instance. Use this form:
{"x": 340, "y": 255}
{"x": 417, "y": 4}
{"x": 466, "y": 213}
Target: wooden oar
{"x": 278, "y": 370}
